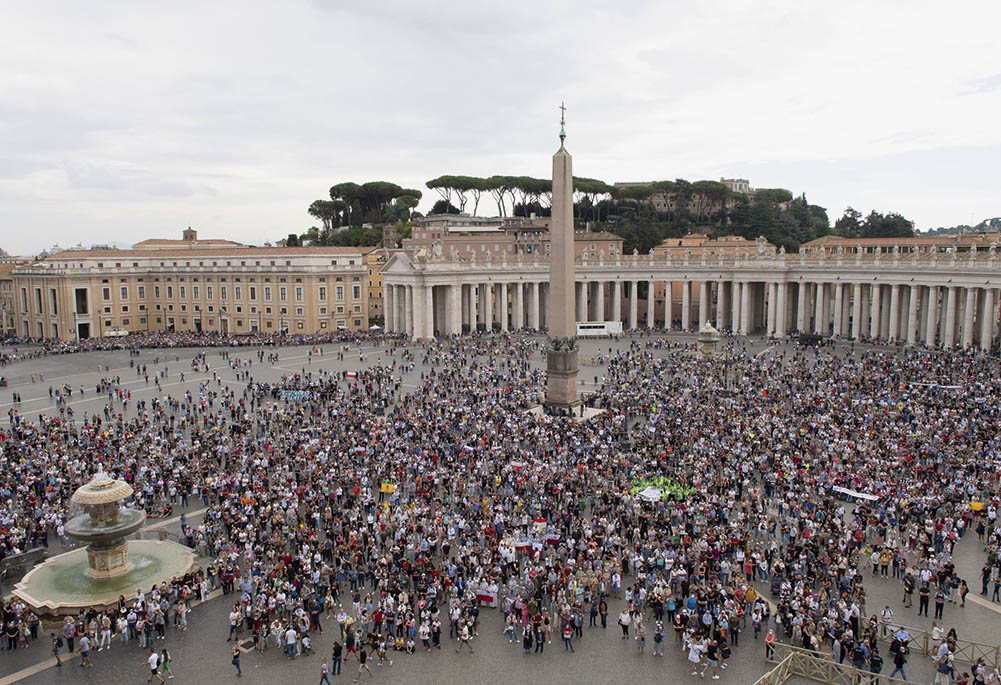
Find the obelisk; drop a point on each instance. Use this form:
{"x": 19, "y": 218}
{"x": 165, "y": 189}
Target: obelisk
{"x": 561, "y": 357}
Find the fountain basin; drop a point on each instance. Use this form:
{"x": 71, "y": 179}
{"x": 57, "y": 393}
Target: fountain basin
{"x": 61, "y": 586}
{"x": 83, "y": 529}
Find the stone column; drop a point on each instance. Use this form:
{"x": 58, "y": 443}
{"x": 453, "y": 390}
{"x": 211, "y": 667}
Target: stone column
{"x": 519, "y": 306}
{"x": 533, "y": 305}
{"x": 686, "y": 305}
{"x": 651, "y": 303}
{"x": 884, "y": 319}
{"x": 408, "y": 315}
{"x": 856, "y": 310}
{"x": 581, "y": 301}
{"x": 453, "y": 310}
{"x": 502, "y": 305}
{"x": 633, "y": 305}
{"x": 780, "y": 311}
{"x": 931, "y": 316}
{"x": 420, "y": 311}
{"x": 912, "y": 315}
{"x": 703, "y": 304}
{"x": 874, "y": 310}
{"x": 839, "y": 309}
{"x": 617, "y": 301}
{"x": 387, "y": 306}
{"x": 949, "y": 334}
{"x": 488, "y": 306}
{"x": 599, "y": 301}
{"x": 735, "y": 300}
{"x": 770, "y": 316}
{"x": 722, "y": 304}
{"x": 802, "y": 300}
{"x": 818, "y": 314}
{"x": 894, "y": 312}
{"x": 745, "y": 308}
{"x": 971, "y": 307}
{"x": 987, "y": 324}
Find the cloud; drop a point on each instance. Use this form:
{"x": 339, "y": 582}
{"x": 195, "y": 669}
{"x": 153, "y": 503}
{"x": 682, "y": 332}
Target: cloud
{"x": 240, "y": 119}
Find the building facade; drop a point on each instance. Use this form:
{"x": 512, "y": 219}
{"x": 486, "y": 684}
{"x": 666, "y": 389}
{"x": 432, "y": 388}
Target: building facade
{"x": 941, "y": 299}
{"x": 85, "y": 293}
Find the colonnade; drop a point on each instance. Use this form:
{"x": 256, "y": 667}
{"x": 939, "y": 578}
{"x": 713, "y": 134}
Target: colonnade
{"x": 931, "y": 315}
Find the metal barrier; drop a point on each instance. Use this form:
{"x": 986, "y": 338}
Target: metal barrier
{"x": 802, "y": 663}
{"x": 965, "y": 651}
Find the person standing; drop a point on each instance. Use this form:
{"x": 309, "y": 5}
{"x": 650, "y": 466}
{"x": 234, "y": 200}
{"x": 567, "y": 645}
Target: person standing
{"x": 57, "y": 647}
{"x": 568, "y": 637}
{"x": 236, "y": 661}
{"x": 335, "y": 657}
{"x": 603, "y": 612}
{"x": 624, "y": 620}
{"x": 85, "y": 651}
{"x": 658, "y": 639}
{"x": 324, "y": 672}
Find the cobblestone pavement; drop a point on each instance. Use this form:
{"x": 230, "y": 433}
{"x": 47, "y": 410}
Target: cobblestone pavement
{"x": 201, "y": 655}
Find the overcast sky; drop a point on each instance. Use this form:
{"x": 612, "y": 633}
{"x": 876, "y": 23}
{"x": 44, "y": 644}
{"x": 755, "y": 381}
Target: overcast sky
{"x": 126, "y": 120}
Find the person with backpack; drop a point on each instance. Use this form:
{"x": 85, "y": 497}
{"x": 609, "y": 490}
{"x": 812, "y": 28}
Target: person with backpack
{"x": 57, "y": 648}
{"x": 875, "y": 661}
{"x": 658, "y": 639}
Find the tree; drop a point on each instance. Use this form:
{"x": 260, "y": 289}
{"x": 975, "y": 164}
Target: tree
{"x": 292, "y": 240}
{"x": 443, "y": 207}
{"x": 849, "y": 225}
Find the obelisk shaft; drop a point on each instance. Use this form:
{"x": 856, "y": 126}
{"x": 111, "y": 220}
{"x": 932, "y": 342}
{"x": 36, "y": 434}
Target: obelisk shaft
{"x": 561, "y": 358}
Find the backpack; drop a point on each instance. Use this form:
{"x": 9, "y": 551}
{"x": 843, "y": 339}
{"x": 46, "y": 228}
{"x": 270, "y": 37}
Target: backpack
{"x": 59, "y": 641}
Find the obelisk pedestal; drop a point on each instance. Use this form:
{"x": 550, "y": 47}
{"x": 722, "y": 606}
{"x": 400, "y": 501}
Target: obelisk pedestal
{"x": 561, "y": 356}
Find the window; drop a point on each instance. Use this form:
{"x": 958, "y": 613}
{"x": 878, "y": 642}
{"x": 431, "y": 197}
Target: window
{"x": 170, "y": 292}
{"x": 267, "y": 293}
{"x": 283, "y": 293}
{"x": 222, "y": 292}
{"x": 238, "y": 292}
{"x": 181, "y": 291}
{"x": 123, "y": 292}
{"x": 323, "y": 311}
{"x": 194, "y": 291}
{"x": 141, "y": 292}
{"x": 356, "y": 292}
{"x": 323, "y": 293}
{"x": 125, "y": 322}
{"x": 339, "y": 291}
{"x": 298, "y": 293}
{"x": 53, "y": 308}
{"x": 156, "y": 292}
{"x": 105, "y": 294}
{"x": 38, "y": 302}
{"x": 298, "y": 311}
{"x": 208, "y": 292}
{"x": 125, "y": 309}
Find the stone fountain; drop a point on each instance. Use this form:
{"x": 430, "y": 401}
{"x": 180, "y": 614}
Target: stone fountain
{"x": 110, "y": 565}
{"x": 105, "y": 525}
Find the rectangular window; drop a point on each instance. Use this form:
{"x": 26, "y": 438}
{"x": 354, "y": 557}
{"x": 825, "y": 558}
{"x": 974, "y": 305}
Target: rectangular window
{"x": 339, "y": 291}
{"x": 156, "y": 292}
{"x": 53, "y": 307}
{"x": 123, "y": 292}
{"x": 356, "y": 292}
{"x": 170, "y": 292}
{"x": 141, "y": 292}
{"x": 283, "y": 293}
{"x": 298, "y": 293}
{"x": 222, "y": 292}
{"x": 298, "y": 311}
{"x": 194, "y": 291}
{"x": 208, "y": 292}
{"x": 181, "y": 291}
{"x": 105, "y": 293}
{"x": 323, "y": 293}
{"x": 238, "y": 292}
{"x": 267, "y": 293}
{"x": 253, "y": 293}
{"x": 38, "y": 302}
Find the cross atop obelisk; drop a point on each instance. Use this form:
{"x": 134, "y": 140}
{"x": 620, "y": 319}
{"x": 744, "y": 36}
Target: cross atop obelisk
{"x": 561, "y": 357}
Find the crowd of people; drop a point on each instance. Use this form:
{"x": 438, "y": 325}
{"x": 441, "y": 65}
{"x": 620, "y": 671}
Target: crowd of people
{"x": 383, "y": 513}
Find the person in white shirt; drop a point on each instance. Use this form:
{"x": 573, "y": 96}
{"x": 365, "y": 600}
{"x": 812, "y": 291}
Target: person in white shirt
{"x": 154, "y": 662}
